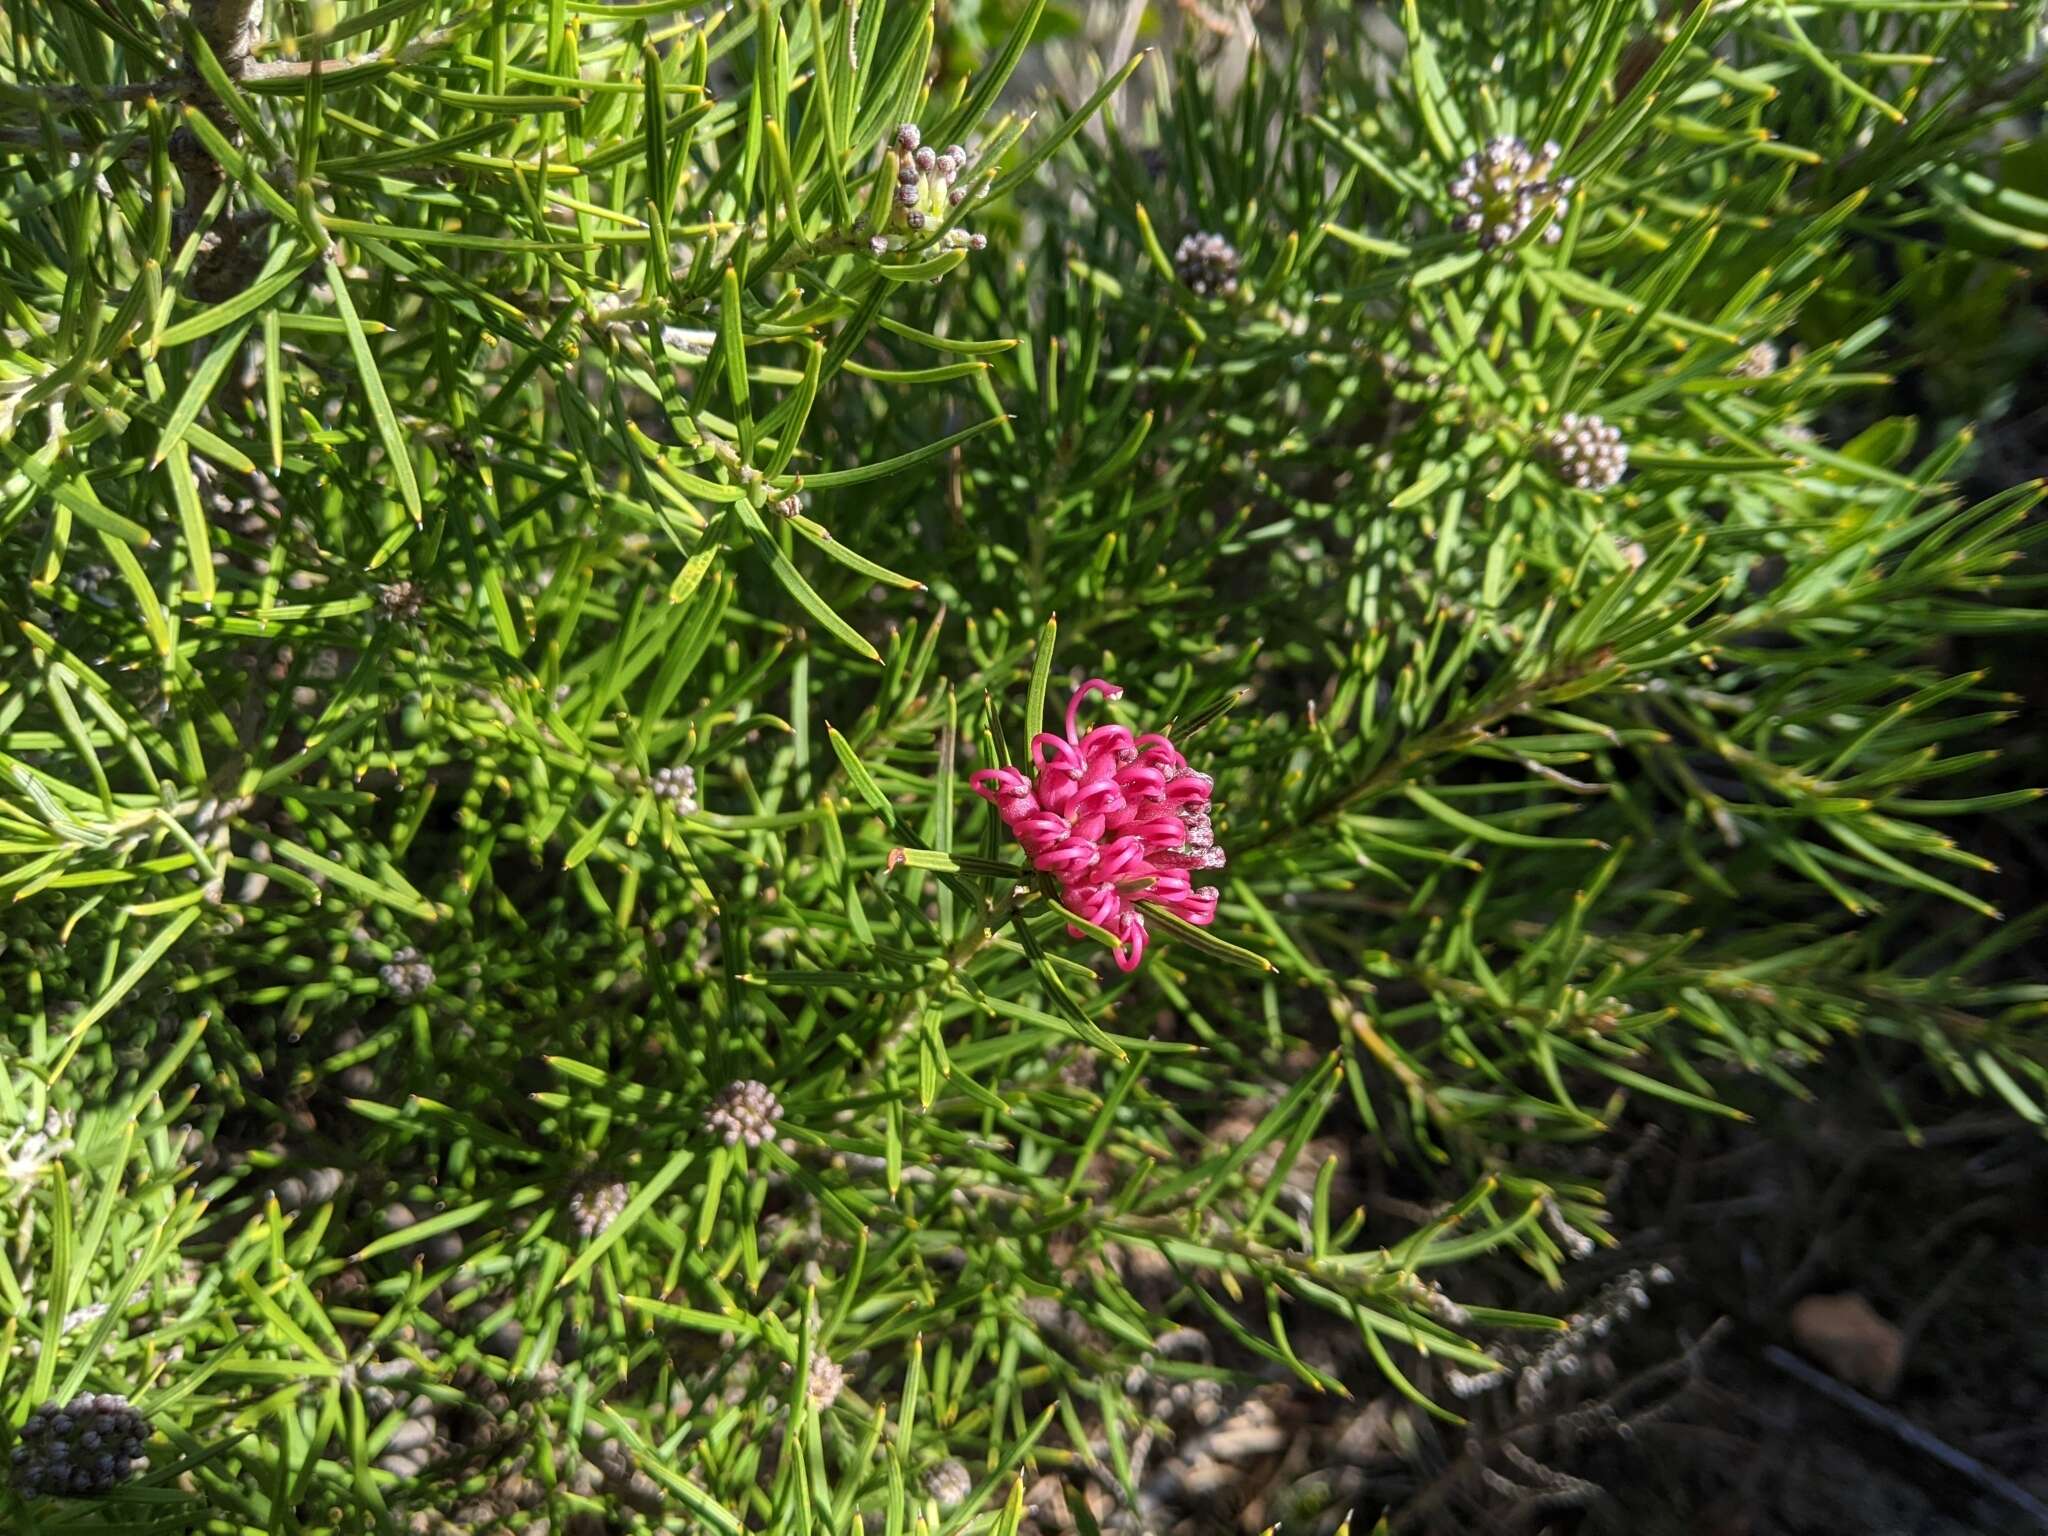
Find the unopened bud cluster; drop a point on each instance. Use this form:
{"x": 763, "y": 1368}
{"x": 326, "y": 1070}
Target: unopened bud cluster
{"x": 595, "y": 1205}
{"x": 745, "y": 1111}
{"x": 1207, "y": 265}
{"x": 406, "y": 976}
{"x": 1587, "y": 452}
{"x": 678, "y": 786}
{"x": 79, "y": 1449}
{"x": 826, "y": 1381}
{"x": 925, "y": 190}
{"x": 949, "y": 1483}
{"x": 1759, "y": 362}
{"x": 1506, "y": 187}
{"x": 401, "y": 601}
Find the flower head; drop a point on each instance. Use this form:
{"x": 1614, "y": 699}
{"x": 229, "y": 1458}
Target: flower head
{"x": 1504, "y": 189}
{"x": 1587, "y": 451}
{"x": 81, "y": 1448}
{"x": 1207, "y": 264}
{"x": 1115, "y": 819}
{"x": 1759, "y": 362}
{"x": 827, "y": 1380}
{"x": 925, "y": 190}
{"x": 743, "y": 1111}
{"x": 406, "y": 976}
{"x": 949, "y": 1483}
{"x": 678, "y": 786}
{"x": 401, "y": 601}
{"x": 595, "y": 1204}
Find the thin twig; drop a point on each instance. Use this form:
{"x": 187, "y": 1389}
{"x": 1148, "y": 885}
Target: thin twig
{"x": 262, "y": 76}
{"x": 1912, "y": 1434}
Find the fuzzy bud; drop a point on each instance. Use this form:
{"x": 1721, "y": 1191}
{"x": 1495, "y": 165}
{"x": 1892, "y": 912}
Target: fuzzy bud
{"x": 1587, "y": 452}
{"x": 406, "y": 976}
{"x": 745, "y": 1111}
{"x": 827, "y": 1380}
{"x": 949, "y": 1483}
{"x": 678, "y": 786}
{"x": 400, "y": 601}
{"x": 1759, "y": 362}
{"x": 595, "y": 1205}
{"x": 1500, "y": 192}
{"x": 1208, "y": 265}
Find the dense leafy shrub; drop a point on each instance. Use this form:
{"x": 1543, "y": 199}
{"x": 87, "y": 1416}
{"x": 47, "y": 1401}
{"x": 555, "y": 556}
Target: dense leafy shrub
{"x": 520, "y": 543}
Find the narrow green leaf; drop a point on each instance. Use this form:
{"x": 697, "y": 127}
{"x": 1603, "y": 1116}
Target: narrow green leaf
{"x": 392, "y": 891}
{"x": 793, "y": 583}
{"x": 833, "y": 479}
{"x": 198, "y": 390}
{"x": 395, "y": 449}
{"x": 1024, "y": 169}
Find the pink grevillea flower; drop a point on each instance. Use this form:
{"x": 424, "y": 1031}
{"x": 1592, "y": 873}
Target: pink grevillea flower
{"x": 1116, "y": 819}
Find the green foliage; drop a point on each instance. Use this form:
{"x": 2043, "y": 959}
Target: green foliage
{"x": 424, "y": 424}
